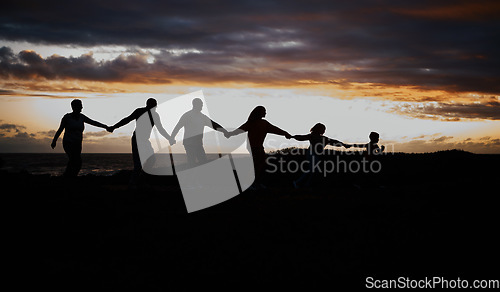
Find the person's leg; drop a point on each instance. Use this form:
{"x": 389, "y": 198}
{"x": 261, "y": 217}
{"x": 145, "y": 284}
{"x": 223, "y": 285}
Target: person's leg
{"x": 135, "y": 155}
{"x": 201, "y": 156}
{"x": 73, "y": 151}
{"x": 78, "y": 158}
{"x": 137, "y": 162}
{"x": 147, "y": 151}
{"x": 259, "y": 162}
{"x": 69, "y": 165}
{"x": 191, "y": 155}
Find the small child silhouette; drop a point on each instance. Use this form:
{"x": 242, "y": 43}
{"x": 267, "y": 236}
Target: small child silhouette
{"x": 371, "y": 147}
{"x": 371, "y": 179}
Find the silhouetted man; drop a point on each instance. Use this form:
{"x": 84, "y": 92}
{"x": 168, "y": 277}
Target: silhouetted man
{"x": 193, "y": 122}
{"x": 73, "y": 125}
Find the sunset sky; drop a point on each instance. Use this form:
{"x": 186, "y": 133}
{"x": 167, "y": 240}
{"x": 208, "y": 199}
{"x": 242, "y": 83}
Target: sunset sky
{"x": 424, "y": 74}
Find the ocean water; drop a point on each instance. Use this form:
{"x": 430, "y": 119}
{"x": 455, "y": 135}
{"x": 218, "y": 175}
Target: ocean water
{"x": 54, "y": 164}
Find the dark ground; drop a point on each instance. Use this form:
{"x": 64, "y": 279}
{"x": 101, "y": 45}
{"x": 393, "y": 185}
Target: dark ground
{"x": 427, "y": 215}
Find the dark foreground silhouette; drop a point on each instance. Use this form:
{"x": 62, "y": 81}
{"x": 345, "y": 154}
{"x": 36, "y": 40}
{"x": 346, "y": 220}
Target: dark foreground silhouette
{"x": 140, "y": 139}
{"x": 436, "y": 215}
{"x": 73, "y": 125}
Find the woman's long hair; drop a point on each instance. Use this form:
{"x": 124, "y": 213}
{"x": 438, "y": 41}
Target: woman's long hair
{"x": 257, "y": 113}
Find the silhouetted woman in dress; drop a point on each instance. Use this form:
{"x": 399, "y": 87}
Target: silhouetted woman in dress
{"x": 257, "y": 129}
{"x": 73, "y": 125}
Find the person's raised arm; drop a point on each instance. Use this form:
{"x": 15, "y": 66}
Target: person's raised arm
{"x": 62, "y": 126}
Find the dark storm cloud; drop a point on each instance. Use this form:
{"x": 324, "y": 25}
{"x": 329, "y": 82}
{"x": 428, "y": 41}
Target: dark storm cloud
{"x": 7, "y": 127}
{"x": 448, "y": 45}
{"x": 6, "y": 92}
{"x": 30, "y": 65}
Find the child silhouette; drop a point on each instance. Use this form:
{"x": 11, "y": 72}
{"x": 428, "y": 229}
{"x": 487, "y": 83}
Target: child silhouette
{"x": 370, "y": 179}
{"x": 371, "y": 147}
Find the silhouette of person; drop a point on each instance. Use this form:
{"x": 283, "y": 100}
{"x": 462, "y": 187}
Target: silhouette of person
{"x": 315, "y": 150}
{"x": 193, "y": 122}
{"x": 258, "y": 128}
{"x": 141, "y": 138}
{"x": 371, "y": 148}
{"x": 73, "y": 125}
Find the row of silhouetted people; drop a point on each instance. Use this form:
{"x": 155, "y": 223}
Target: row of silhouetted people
{"x": 194, "y": 122}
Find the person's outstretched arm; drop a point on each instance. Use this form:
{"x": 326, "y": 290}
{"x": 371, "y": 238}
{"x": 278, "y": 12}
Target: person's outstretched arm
{"x": 301, "y": 137}
{"x": 356, "y": 145}
{"x": 123, "y": 121}
{"x": 242, "y": 129}
{"x": 94, "y": 123}
{"x": 336, "y": 143}
{"x": 275, "y": 130}
{"x": 161, "y": 129}
{"x": 216, "y": 126}
{"x": 178, "y": 127}
{"x": 62, "y": 126}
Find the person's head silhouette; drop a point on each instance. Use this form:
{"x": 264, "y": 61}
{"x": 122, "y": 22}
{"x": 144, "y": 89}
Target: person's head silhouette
{"x": 374, "y": 137}
{"x": 197, "y": 104}
{"x": 318, "y": 129}
{"x": 259, "y": 112}
{"x": 76, "y": 105}
{"x": 151, "y": 103}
